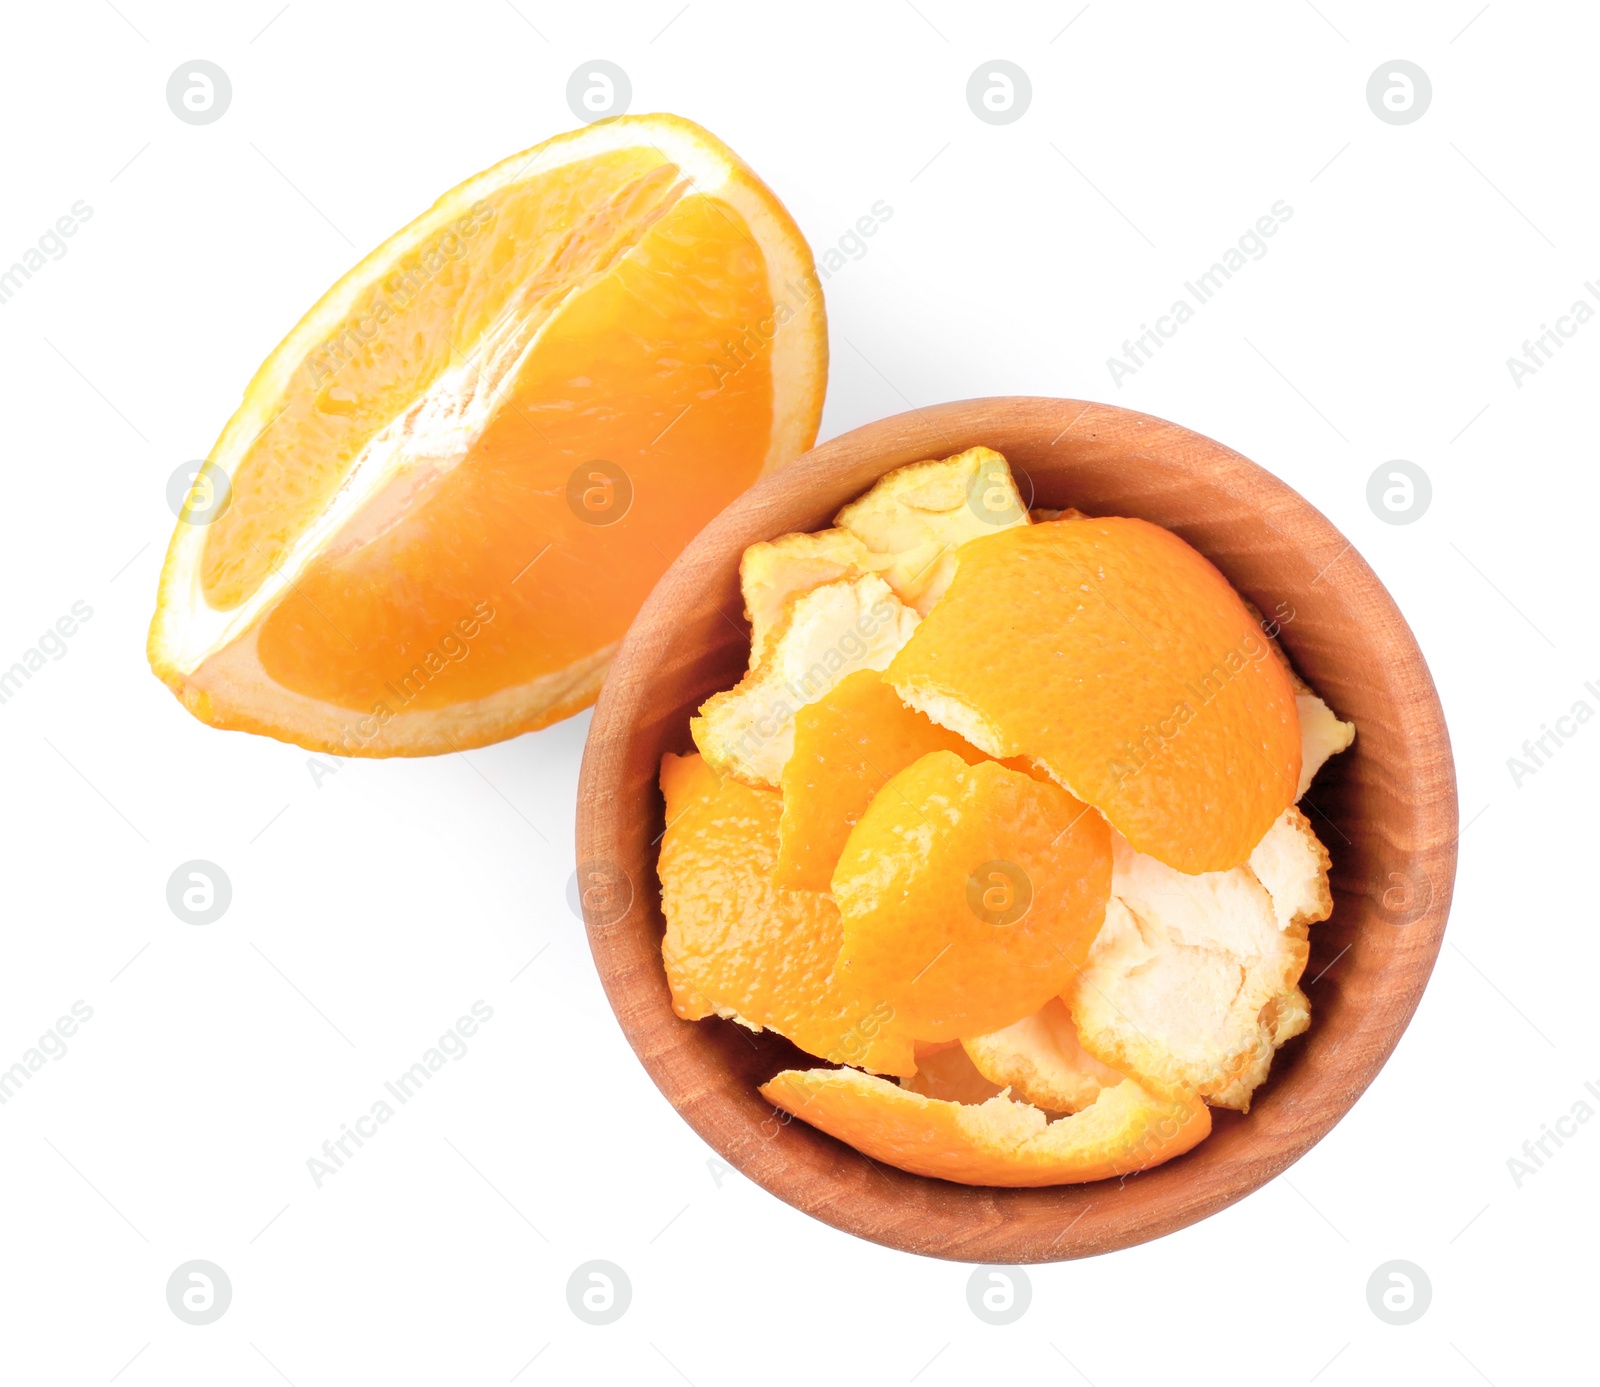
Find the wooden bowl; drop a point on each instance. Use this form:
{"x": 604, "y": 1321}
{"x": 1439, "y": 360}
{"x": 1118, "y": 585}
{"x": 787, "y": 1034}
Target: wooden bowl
{"x": 1386, "y": 810}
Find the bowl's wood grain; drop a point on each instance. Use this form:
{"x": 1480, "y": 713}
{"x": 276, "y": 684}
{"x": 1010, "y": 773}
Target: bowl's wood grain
{"x": 1386, "y": 809}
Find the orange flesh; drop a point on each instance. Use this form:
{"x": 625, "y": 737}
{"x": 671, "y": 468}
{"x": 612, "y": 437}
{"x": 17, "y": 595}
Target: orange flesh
{"x": 404, "y": 332}
{"x": 441, "y": 549}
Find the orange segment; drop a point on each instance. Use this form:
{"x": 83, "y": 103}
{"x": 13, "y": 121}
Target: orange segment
{"x": 998, "y": 1142}
{"x": 455, "y": 481}
{"x": 739, "y": 946}
{"x": 969, "y": 895}
{"x": 1120, "y": 660}
{"x": 846, "y": 745}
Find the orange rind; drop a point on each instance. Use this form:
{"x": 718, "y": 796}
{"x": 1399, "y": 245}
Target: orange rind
{"x": 998, "y": 1142}
{"x": 1192, "y": 985}
{"x": 969, "y": 895}
{"x": 846, "y": 747}
{"x": 740, "y": 947}
{"x": 1118, "y": 659}
{"x": 1042, "y": 1061}
{"x": 826, "y": 633}
{"x": 1033, "y": 849}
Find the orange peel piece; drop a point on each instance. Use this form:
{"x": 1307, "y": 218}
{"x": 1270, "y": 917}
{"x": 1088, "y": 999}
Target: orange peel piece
{"x": 826, "y": 633}
{"x": 919, "y": 515}
{"x": 969, "y": 895}
{"x": 1191, "y": 986}
{"x": 847, "y": 745}
{"x": 1041, "y": 1060}
{"x": 998, "y": 1142}
{"x": 1122, "y": 662}
{"x": 739, "y": 946}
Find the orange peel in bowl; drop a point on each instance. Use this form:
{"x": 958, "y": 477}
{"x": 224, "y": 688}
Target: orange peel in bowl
{"x": 906, "y": 530}
{"x": 1193, "y": 984}
{"x": 919, "y": 515}
{"x": 1031, "y": 845}
{"x": 740, "y": 947}
{"x": 997, "y": 1142}
{"x": 826, "y": 633}
{"x": 846, "y": 747}
{"x": 1116, "y": 657}
{"x": 969, "y": 895}
{"x": 1042, "y": 1061}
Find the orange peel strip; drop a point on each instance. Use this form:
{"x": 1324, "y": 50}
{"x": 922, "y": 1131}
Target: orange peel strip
{"x": 998, "y": 1142}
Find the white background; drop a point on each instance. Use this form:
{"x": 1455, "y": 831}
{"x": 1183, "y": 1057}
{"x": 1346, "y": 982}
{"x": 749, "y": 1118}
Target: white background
{"x": 371, "y": 910}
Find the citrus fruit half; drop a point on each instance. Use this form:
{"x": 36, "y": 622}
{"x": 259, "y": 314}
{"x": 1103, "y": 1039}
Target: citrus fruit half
{"x": 450, "y": 487}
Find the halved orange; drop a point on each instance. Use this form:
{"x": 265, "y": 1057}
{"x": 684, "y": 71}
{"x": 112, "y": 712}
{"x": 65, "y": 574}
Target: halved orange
{"x": 453, "y": 483}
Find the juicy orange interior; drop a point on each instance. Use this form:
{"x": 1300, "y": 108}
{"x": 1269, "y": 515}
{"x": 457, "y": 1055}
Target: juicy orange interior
{"x": 419, "y": 602}
{"x": 516, "y": 250}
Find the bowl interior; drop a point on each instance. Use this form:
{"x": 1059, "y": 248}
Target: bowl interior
{"x": 1386, "y": 810}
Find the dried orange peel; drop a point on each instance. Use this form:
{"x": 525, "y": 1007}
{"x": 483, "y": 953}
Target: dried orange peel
{"x": 1031, "y": 847}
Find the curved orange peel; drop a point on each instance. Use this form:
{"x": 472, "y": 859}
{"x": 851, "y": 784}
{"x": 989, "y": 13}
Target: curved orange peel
{"x": 1116, "y": 657}
{"x": 997, "y": 1142}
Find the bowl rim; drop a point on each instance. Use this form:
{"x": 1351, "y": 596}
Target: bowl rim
{"x": 665, "y": 1051}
